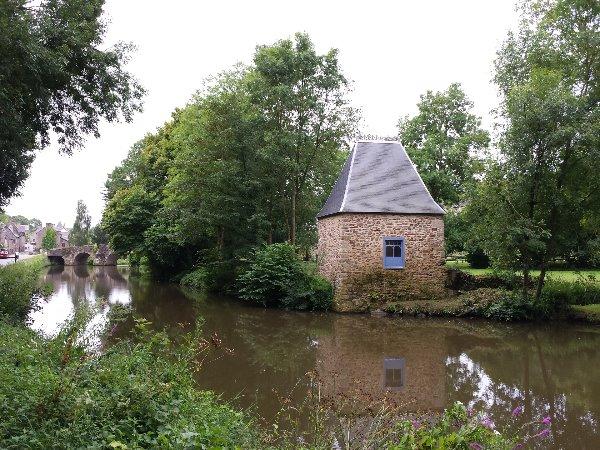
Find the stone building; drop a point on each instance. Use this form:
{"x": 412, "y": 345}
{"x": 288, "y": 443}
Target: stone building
{"x": 13, "y": 237}
{"x": 62, "y": 236}
{"x": 381, "y": 234}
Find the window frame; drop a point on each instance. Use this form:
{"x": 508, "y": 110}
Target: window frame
{"x": 401, "y": 263}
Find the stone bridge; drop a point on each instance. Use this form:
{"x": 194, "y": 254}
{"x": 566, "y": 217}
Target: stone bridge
{"x": 76, "y": 256}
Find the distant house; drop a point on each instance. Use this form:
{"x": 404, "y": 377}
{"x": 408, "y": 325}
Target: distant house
{"x": 62, "y": 235}
{"x": 381, "y": 234}
{"x": 13, "y": 237}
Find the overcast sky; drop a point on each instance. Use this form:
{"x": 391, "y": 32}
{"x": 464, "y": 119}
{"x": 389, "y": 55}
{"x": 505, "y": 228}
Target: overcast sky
{"x": 392, "y": 50}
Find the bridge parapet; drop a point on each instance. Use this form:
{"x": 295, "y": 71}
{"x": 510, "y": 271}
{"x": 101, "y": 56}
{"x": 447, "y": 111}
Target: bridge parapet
{"x": 79, "y": 255}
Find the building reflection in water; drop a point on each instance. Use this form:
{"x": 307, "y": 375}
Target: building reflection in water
{"x": 73, "y": 285}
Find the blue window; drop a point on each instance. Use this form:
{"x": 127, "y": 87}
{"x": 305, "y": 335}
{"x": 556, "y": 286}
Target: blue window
{"x": 393, "y": 253}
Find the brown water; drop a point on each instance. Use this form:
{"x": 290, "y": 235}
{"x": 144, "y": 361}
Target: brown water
{"x": 421, "y": 364}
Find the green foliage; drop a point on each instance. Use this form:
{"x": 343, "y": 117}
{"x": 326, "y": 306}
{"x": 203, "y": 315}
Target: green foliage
{"x": 127, "y": 216}
{"x": 456, "y": 429}
{"x": 249, "y": 161}
{"x": 56, "y": 79}
{"x": 538, "y": 202}
{"x": 98, "y": 235}
{"x": 80, "y": 233}
{"x": 49, "y": 239}
{"x": 582, "y": 291}
{"x": 195, "y": 279}
{"x": 18, "y": 283}
{"x": 137, "y": 393}
{"x": 443, "y": 140}
{"x": 276, "y": 277}
{"x": 477, "y": 259}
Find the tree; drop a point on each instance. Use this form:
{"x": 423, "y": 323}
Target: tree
{"x": 80, "y": 233}
{"x": 49, "y": 239}
{"x": 56, "y": 79}
{"x": 444, "y": 141}
{"x": 302, "y": 98}
{"x": 543, "y": 190}
{"x": 98, "y": 235}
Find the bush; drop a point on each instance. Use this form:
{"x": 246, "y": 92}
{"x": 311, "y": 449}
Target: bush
{"x": 584, "y": 291}
{"x": 477, "y": 259}
{"x": 138, "y": 393}
{"x": 195, "y": 279}
{"x": 513, "y": 307}
{"x": 276, "y": 277}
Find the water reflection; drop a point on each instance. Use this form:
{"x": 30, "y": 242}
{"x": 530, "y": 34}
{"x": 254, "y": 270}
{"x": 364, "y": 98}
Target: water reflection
{"x": 421, "y": 365}
{"x": 76, "y": 284}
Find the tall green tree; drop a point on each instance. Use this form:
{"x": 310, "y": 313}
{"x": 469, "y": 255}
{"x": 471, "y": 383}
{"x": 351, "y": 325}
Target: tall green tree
{"x": 445, "y": 141}
{"x": 80, "y": 233}
{"x": 543, "y": 191}
{"x": 302, "y": 98}
{"x": 57, "y": 79}
{"x": 49, "y": 239}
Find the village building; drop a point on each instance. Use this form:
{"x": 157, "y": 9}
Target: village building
{"x": 62, "y": 236}
{"x": 381, "y": 234}
{"x": 13, "y": 237}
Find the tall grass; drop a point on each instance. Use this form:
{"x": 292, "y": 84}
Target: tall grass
{"x": 18, "y": 284}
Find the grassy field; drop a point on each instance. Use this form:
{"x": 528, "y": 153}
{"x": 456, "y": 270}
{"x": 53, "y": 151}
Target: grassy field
{"x": 559, "y": 275}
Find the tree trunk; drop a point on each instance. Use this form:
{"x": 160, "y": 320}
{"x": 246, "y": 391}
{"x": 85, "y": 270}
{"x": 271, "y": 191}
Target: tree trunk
{"x": 526, "y": 279}
{"x": 540, "y": 284}
{"x": 293, "y": 215}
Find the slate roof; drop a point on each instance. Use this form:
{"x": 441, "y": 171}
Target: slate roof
{"x": 379, "y": 177}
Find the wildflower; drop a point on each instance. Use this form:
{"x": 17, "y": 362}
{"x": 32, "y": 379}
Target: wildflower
{"x": 546, "y": 420}
{"x": 517, "y": 411}
{"x": 487, "y": 422}
{"x": 470, "y": 412}
{"x": 542, "y": 434}
{"x": 475, "y": 446}
{"x": 519, "y": 446}
{"x": 416, "y": 424}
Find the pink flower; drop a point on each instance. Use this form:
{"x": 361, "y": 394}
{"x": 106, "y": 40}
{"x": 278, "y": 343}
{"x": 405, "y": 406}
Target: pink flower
{"x": 517, "y": 411}
{"x": 475, "y": 446}
{"x": 542, "y": 434}
{"x": 487, "y": 422}
{"x": 546, "y": 420}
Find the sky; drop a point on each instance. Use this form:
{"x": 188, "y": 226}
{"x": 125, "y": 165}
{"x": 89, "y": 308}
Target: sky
{"x": 393, "y": 51}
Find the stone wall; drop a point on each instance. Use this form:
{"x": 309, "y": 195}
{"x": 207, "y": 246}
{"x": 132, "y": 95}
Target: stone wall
{"x": 350, "y": 255}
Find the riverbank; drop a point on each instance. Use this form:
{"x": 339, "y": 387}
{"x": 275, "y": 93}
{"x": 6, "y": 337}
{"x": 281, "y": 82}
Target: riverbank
{"x": 482, "y": 293}
{"x": 138, "y": 392}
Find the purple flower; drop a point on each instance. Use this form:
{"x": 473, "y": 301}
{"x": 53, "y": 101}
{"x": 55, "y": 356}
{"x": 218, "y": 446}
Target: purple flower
{"x": 517, "y": 411}
{"x": 487, "y": 422}
{"x": 416, "y": 424}
{"x": 519, "y": 446}
{"x": 542, "y": 434}
{"x": 470, "y": 412}
{"x": 546, "y": 420}
{"x": 475, "y": 446}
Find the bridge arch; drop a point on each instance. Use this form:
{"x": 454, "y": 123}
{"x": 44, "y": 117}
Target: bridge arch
{"x": 56, "y": 260}
{"x": 81, "y": 258}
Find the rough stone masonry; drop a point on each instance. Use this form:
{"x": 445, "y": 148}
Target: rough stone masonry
{"x": 379, "y": 195}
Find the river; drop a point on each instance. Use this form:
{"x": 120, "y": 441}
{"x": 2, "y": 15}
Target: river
{"x": 259, "y": 356}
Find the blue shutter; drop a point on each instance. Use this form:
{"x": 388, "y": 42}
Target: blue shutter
{"x": 393, "y": 253}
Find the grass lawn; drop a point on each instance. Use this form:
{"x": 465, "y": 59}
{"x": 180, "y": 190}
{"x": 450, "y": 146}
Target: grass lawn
{"x": 589, "y": 312}
{"x": 560, "y": 275}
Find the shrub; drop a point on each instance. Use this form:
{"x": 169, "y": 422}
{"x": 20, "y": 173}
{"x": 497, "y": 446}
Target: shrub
{"x": 276, "y": 277}
{"x": 195, "y": 279}
{"x": 138, "y": 393}
{"x": 583, "y": 291}
{"x": 477, "y": 259}
{"x": 18, "y": 284}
